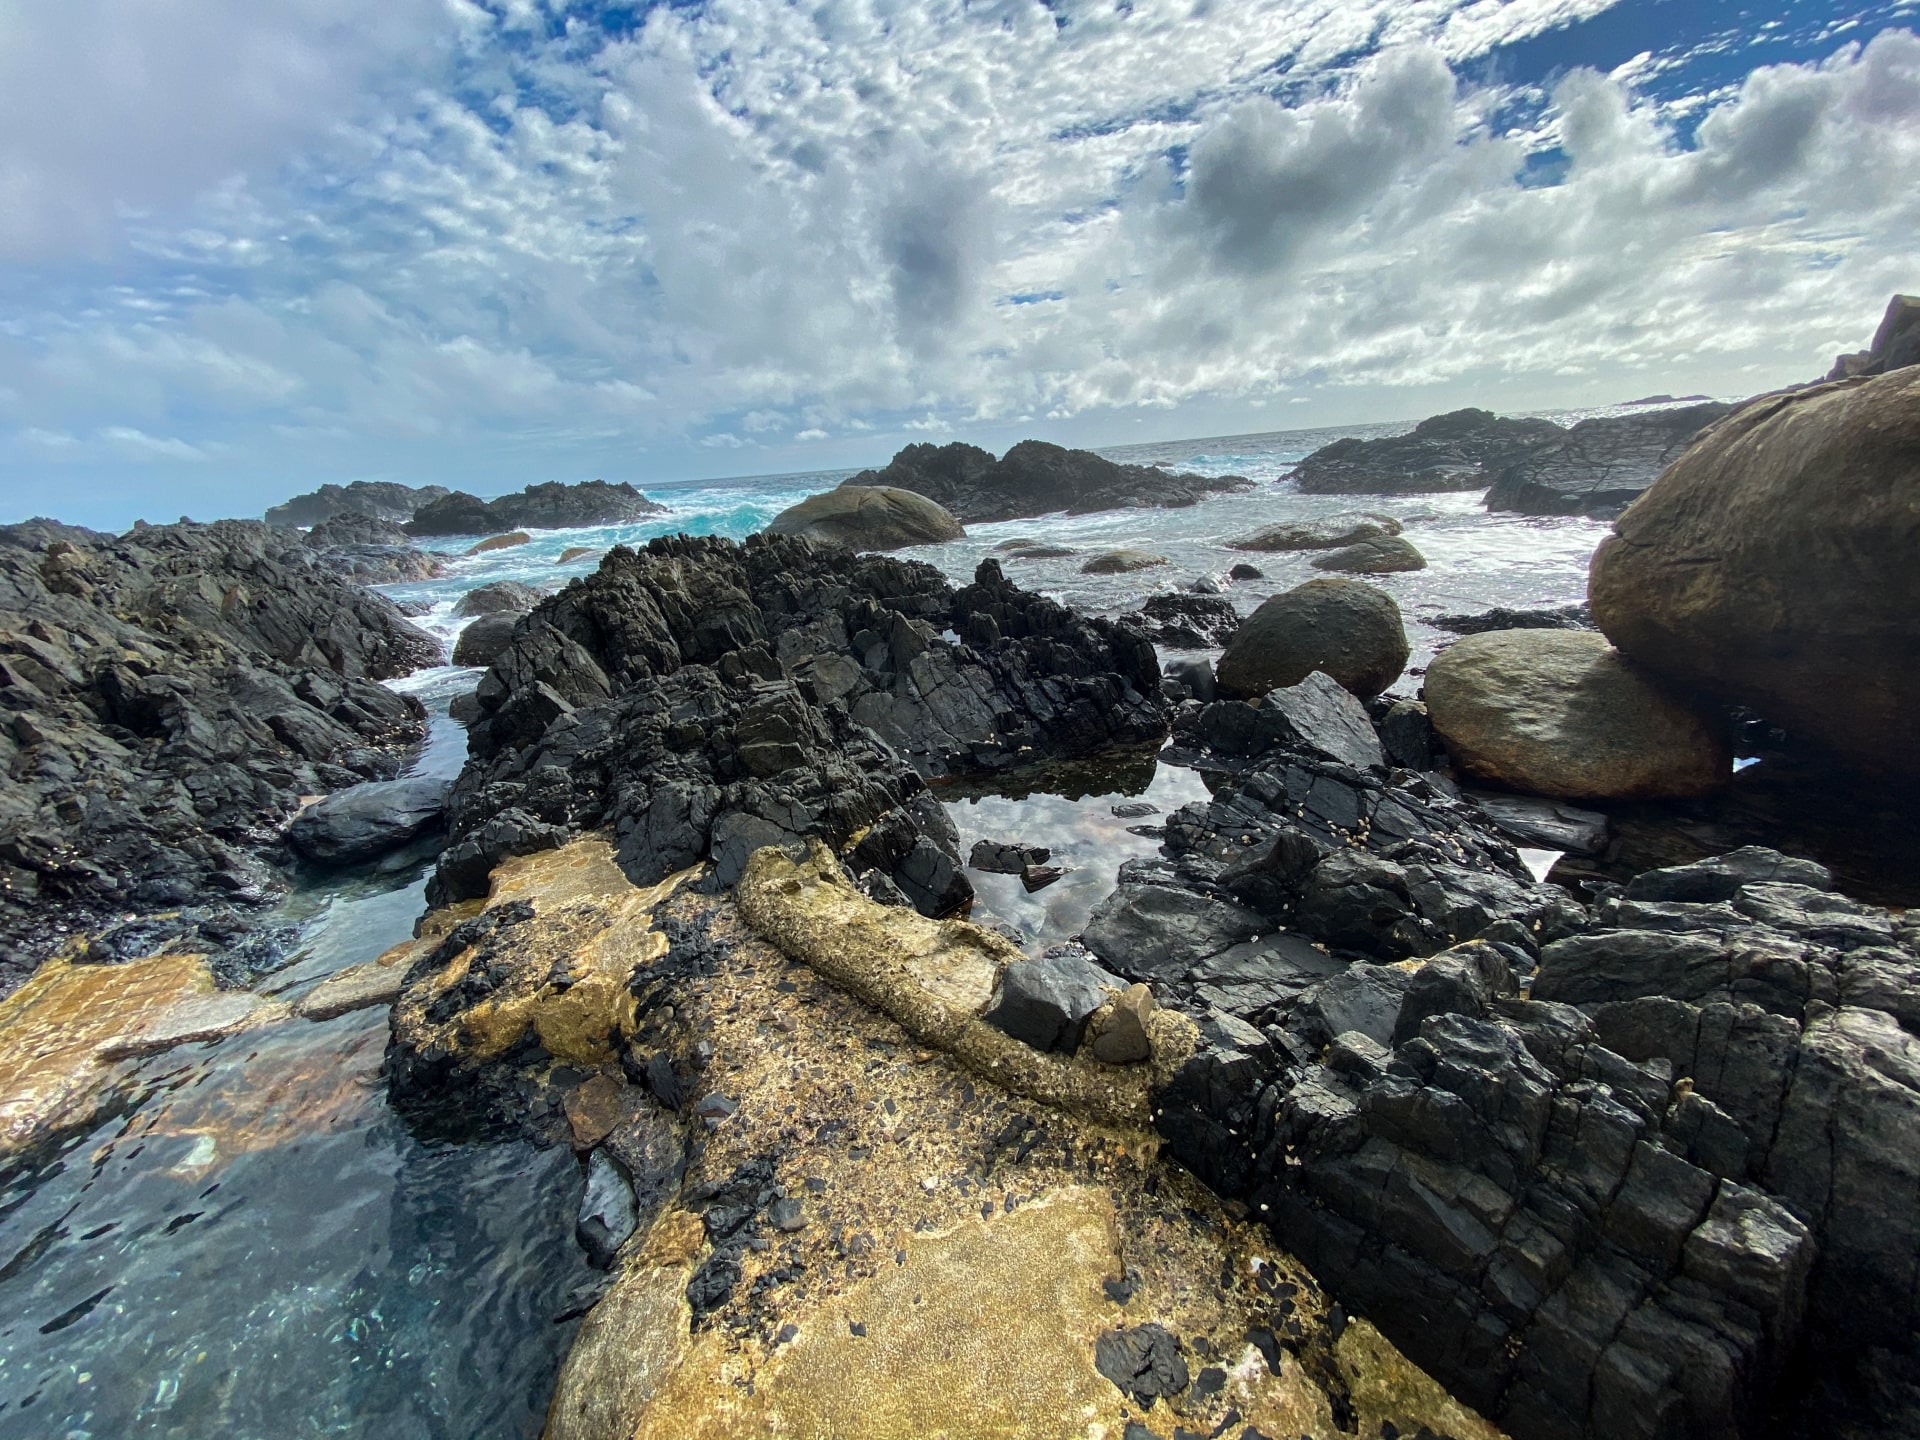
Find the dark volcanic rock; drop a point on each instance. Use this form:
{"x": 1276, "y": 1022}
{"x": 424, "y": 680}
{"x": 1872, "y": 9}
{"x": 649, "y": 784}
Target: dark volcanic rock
{"x": 1186, "y": 621}
{"x": 165, "y": 699}
{"x": 1330, "y": 534}
{"x": 702, "y": 698}
{"x": 1602, "y": 465}
{"x": 1346, "y": 628}
{"x": 1035, "y": 478}
{"x": 551, "y": 506}
{"x": 1046, "y": 1002}
{"x": 1566, "y": 617}
{"x": 1457, "y": 451}
{"x": 482, "y": 642}
{"x": 364, "y": 822}
{"x": 502, "y": 596}
{"x": 371, "y": 550}
{"x": 377, "y": 499}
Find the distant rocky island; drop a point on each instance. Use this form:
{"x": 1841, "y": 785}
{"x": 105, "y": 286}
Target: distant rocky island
{"x": 436, "y": 510}
{"x": 1036, "y": 478}
{"x": 1530, "y": 466}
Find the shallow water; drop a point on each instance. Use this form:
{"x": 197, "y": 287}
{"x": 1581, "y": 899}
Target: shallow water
{"x": 257, "y": 1246}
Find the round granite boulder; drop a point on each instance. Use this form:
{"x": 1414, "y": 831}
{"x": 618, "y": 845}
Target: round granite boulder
{"x": 1329, "y": 534}
{"x": 1562, "y": 713}
{"x": 1381, "y": 555}
{"x": 1348, "y": 629}
{"x": 500, "y": 542}
{"x": 1122, "y": 562}
{"x": 1776, "y": 564}
{"x": 482, "y": 641}
{"x": 868, "y": 517}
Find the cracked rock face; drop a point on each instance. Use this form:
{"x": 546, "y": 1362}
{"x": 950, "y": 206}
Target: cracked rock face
{"x": 166, "y": 698}
{"x": 1611, "y": 1172}
{"x": 702, "y": 699}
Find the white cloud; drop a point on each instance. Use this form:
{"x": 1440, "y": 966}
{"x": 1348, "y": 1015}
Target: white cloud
{"x": 344, "y": 231}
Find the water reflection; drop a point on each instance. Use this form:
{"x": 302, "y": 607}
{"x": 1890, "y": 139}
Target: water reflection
{"x": 1069, "y": 809}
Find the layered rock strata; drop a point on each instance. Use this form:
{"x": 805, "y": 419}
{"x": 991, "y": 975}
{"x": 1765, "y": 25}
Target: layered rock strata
{"x": 166, "y": 698}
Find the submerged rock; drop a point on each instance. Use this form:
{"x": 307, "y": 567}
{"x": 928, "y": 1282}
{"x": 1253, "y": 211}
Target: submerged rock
{"x": 1562, "y": 713}
{"x": 1346, "y": 628}
{"x": 868, "y": 517}
{"x": 1772, "y": 566}
{"x": 500, "y": 597}
{"x": 500, "y": 542}
{"x": 1385, "y": 556}
{"x": 1035, "y": 478}
{"x": 1333, "y": 533}
{"x": 1121, "y": 562}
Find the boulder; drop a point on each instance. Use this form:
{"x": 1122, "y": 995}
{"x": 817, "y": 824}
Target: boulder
{"x": 482, "y": 642}
{"x": 1246, "y": 572}
{"x": 366, "y": 821}
{"x": 1330, "y": 534}
{"x": 1120, "y": 1028}
{"x": 500, "y": 542}
{"x": 1321, "y": 716}
{"x": 868, "y": 517}
{"x": 1184, "y": 620}
{"x": 1896, "y": 343}
{"x": 1122, "y": 562}
{"x": 577, "y": 552}
{"x": 381, "y": 500}
{"x": 997, "y": 857}
{"x": 1773, "y": 566}
{"x": 1384, "y": 556}
{"x": 1156, "y": 933}
{"x": 502, "y": 595}
{"x": 1601, "y": 465}
{"x": 1046, "y": 1002}
{"x": 1456, "y": 451}
{"x": 1564, "y": 714}
{"x": 1348, "y": 629}
{"x": 1035, "y": 478}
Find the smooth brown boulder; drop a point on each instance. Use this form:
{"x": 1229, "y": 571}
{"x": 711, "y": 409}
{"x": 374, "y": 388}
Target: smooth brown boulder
{"x": 1777, "y": 565}
{"x": 1383, "y": 555}
{"x": 500, "y": 542}
{"x": 1562, "y": 713}
{"x": 1122, "y": 562}
{"x": 1328, "y": 534}
{"x": 1348, "y": 629}
{"x": 868, "y": 517}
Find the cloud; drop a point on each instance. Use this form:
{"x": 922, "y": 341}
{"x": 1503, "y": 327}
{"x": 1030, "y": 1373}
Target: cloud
{"x": 330, "y": 237}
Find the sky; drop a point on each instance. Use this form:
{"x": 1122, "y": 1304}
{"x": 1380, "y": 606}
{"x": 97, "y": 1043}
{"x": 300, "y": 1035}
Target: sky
{"x": 249, "y": 248}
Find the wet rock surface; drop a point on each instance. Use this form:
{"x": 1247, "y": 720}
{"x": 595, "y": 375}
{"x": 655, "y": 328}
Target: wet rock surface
{"x": 702, "y": 699}
{"x": 868, "y": 517}
{"x": 1036, "y": 478}
{"x": 1460, "y": 450}
{"x": 1346, "y": 628}
{"x": 1601, "y": 465}
{"x": 371, "y": 550}
{"x": 166, "y": 698}
{"x": 1603, "y": 1170}
{"x": 1386, "y": 555}
{"x": 1183, "y": 620}
{"x": 1334, "y": 533}
{"x": 551, "y": 506}
{"x": 364, "y": 822}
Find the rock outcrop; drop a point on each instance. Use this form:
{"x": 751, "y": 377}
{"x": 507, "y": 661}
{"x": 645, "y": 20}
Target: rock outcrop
{"x": 1562, "y": 713}
{"x": 1348, "y": 629}
{"x": 500, "y": 597}
{"x": 382, "y": 500}
{"x": 1600, "y": 466}
{"x": 371, "y": 550}
{"x": 1657, "y": 1193}
{"x": 364, "y": 822}
{"x": 702, "y": 699}
{"x": 1035, "y": 478}
{"x": 1896, "y": 344}
{"x": 166, "y": 697}
{"x": 551, "y": 506}
{"x": 1460, "y": 450}
{"x": 1773, "y": 566}
{"x": 868, "y": 517}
